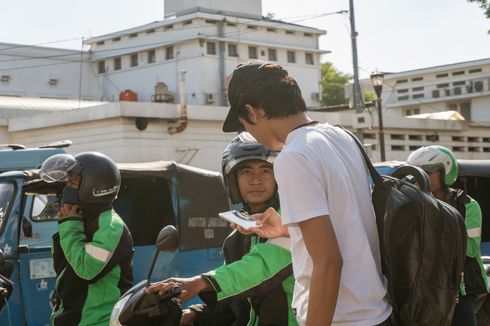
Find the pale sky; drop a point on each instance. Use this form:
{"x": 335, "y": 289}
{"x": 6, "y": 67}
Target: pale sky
{"x": 394, "y": 35}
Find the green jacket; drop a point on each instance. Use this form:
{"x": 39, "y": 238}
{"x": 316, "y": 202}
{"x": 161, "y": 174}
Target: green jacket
{"x": 262, "y": 276}
{"x": 474, "y": 277}
{"x": 92, "y": 260}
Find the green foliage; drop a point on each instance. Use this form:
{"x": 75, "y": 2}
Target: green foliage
{"x": 333, "y": 82}
{"x": 485, "y": 5}
{"x": 368, "y": 96}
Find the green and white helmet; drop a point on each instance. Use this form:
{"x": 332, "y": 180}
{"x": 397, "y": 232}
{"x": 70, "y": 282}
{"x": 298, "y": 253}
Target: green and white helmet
{"x": 435, "y": 157}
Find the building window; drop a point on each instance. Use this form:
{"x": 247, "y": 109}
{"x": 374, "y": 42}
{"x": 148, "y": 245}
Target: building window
{"x": 210, "y": 21}
{"x": 465, "y": 110}
{"x": 168, "y": 27}
{"x": 473, "y": 71}
{"x": 230, "y": 24}
{"x": 100, "y": 43}
{"x": 134, "y": 60}
{"x": 169, "y": 53}
{"x": 211, "y": 48}
{"x": 418, "y": 89}
{"x": 416, "y": 79}
{"x": 308, "y": 35}
{"x": 401, "y": 81}
{"x": 232, "y": 50}
{"x": 411, "y": 111}
{"x": 117, "y": 63}
{"x": 290, "y": 32}
{"x": 5, "y": 78}
{"x": 151, "y": 56}
{"x": 309, "y": 59}
{"x": 272, "y": 54}
{"x": 402, "y": 98}
{"x": 458, "y": 73}
{"x": 101, "y": 67}
{"x": 252, "y": 52}
{"x": 133, "y": 35}
{"x": 441, "y": 75}
{"x": 251, "y": 27}
{"x": 418, "y": 96}
{"x": 150, "y": 31}
{"x": 273, "y": 30}
{"x": 291, "y": 57}
{"x": 187, "y": 22}
{"x": 401, "y": 91}
{"x": 116, "y": 39}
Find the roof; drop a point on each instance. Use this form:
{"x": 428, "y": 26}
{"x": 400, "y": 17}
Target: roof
{"x": 474, "y": 168}
{"x": 445, "y": 115}
{"x": 11, "y": 106}
{"x": 162, "y": 168}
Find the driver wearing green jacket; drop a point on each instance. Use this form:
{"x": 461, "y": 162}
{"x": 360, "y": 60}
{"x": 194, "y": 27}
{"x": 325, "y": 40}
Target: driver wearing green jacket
{"x": 255, "y": 285}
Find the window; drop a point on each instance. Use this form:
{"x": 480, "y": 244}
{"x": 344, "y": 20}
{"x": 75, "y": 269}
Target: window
{"x": 397, "y": 137}
{"x": 290, "y": 32}
{"x": 418, "y": 96}
{"x": 397, "y": 147}
{"x": 117, "y": 63}
{"x": 459, "y": 83}
{"x": 251, "y": 27}
{"x": 414, "y": 137}
{"x": 401, "y": 91}
{"x": 369, "y": 136}
{"x": 133, "y": 35}
{"x": 402, "y": 98}
{"x": 417, "y": 89}
{"x": 273, "y": 30}
{"x": 187, "y": 22}
{"x": 252, "y": 52}
{"x": 401, "y": 81}
{"x": 473, "y": 71}
{"x": 134, "y": 60}
{"x": 309, "y": 59}
{"x": 465, "y": 110}
{"x": 168, "y": 27}
{"x": 457, "y": 138}
{"x": 169, "y": 53}
{"x": 457, "y": 73}
{"x": 232, "y": 50}
{"x": 101, "y": 67}
{"x": 45, "y": 207}
{"x": 230, "y": 24}
{"x": 5, "y": 78}
{"x": 211, "y": 48}
{"x": 151, "y": 56}
{"x": 116, "y": 39}
{"x": 416, "y": 79}
{"x": 210, "y": 21}
{"x": 6, "y": 197}
{"x": 150, "y": 31}
{"x": 308, "y": 35}
{"x": 443, "y": 85}
{"x": 291, "y": 57}
{"x": 272, "y": 54}
{"x": 442, "y": 75}
{"x": 100, "y": 43}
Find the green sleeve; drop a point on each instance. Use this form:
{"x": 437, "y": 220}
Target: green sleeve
{"x": 265, "y": 266}
{"x": 473, "y": 221}
{"x": 88, "y": 259}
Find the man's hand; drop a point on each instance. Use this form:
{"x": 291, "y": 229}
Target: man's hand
{"x": 190, "y": 286}
{"x": 69, "y": 210}
{"x": 188, "y": 317}
{"x": 269, "y": 225}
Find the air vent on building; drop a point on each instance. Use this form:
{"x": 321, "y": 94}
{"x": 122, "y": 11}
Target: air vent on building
{"x": 5, "y": 78}
{"x": 457, "y": 90}
{"x": 435, "y": 93}
{"x": 315, "y": 96}
{"x": 53, "y": 82}
{"x": 209, "y": 98}
{"x": 478, "y": 86}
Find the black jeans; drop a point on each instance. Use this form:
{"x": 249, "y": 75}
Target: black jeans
{"x": 464, "y": 313}
{"x": 387, "y": 322}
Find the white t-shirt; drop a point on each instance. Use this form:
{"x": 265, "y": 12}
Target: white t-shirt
{"x": 320, "y": 172}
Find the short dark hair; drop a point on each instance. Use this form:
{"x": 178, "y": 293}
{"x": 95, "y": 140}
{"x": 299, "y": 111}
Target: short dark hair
{"x": 265, "y": 85}
{"x": 278, "y": 97}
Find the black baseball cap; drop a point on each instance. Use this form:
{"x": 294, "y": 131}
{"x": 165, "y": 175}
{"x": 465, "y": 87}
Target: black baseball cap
{"x": 244, "y": 76}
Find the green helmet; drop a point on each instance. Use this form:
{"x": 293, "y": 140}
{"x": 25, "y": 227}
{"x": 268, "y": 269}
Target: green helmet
{"x": 436, "y": 157}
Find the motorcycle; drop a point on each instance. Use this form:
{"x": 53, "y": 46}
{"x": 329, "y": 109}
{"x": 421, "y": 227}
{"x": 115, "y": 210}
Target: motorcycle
{"x": 137, "y": 307}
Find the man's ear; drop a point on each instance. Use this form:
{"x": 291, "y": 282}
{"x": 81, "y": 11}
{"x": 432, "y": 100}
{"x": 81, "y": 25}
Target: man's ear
{"x": 254, "y": 114}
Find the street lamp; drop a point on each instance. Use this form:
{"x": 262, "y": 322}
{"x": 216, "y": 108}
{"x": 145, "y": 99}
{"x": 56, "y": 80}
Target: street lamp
{"x": 377, "y": 80}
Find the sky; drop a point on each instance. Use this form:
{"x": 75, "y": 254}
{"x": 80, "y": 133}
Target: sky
{"x": 393, "y": 35}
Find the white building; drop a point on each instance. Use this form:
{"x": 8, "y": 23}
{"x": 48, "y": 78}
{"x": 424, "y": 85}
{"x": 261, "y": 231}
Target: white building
{"x": 463, "y": 87}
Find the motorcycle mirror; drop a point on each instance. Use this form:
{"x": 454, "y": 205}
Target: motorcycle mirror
{"x": 168, "y": 239}
{"x": 2, "y": 258}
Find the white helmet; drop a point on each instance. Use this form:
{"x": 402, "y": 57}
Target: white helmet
{"x": 436, "y": 157}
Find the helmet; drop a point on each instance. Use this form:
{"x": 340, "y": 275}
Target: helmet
{"x": 100, "y": 177}
{"x": 436, "y": 157}
{"x": 242, "y": 148}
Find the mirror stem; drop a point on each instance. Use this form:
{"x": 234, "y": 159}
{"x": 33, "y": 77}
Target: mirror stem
{"x": 151, "y": 268}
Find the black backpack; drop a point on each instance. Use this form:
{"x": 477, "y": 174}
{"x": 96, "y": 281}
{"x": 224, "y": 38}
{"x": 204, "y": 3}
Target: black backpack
{"x": 423, "y": 246}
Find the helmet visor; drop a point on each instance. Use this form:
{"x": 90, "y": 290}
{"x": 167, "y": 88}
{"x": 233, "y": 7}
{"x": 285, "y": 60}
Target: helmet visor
{"x": 58, "y": 168}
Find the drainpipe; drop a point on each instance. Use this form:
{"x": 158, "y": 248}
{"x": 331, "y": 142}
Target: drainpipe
{"x": 183, "y": 106}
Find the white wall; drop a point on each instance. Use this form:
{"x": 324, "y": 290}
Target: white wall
{"x": 251, "y": 7}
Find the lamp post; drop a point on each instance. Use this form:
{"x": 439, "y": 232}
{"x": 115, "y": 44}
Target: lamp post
{"x": 377, "y": 80}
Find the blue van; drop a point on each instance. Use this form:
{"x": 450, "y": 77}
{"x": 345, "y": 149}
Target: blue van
{"x": 152, "y": 195}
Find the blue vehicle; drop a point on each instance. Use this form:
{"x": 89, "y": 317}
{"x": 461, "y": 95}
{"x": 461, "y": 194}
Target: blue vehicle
{"x": 152, "y": 195}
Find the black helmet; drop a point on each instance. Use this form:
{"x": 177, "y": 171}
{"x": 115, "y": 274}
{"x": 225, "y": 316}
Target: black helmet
{"x": 242, "y": 148}
{"x": 100, "y": 177}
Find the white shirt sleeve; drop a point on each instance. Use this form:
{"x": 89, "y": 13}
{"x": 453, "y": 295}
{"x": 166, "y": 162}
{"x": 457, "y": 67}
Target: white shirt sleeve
{"x": 302, "y": 189}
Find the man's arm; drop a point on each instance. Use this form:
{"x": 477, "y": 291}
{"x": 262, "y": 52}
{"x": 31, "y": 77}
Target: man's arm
{"x": 473, "y": 221}
{"x": 321, "y": 243}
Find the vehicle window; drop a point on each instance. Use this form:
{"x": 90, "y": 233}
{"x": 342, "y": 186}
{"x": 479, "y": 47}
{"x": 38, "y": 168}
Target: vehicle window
{"x": 6, "y": 197}
{"x": 45, "y": 207}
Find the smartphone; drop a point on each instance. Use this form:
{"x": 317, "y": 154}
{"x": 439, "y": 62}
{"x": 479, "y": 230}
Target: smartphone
{"x": 239, "y": 218}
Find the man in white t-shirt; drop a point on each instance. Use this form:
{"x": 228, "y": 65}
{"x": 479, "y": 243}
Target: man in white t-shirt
{"x": 325, "y": 198}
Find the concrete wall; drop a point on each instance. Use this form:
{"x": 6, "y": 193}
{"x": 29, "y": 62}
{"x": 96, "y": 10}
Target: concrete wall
{"x": 250, "y": 7}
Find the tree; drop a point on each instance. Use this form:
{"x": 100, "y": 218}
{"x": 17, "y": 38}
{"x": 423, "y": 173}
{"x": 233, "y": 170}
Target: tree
{"x": 485, "y": 5}
{"x": 333, "y": 82}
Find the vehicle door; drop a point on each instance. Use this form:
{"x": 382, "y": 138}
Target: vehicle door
{"x": 12, "y": 313}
